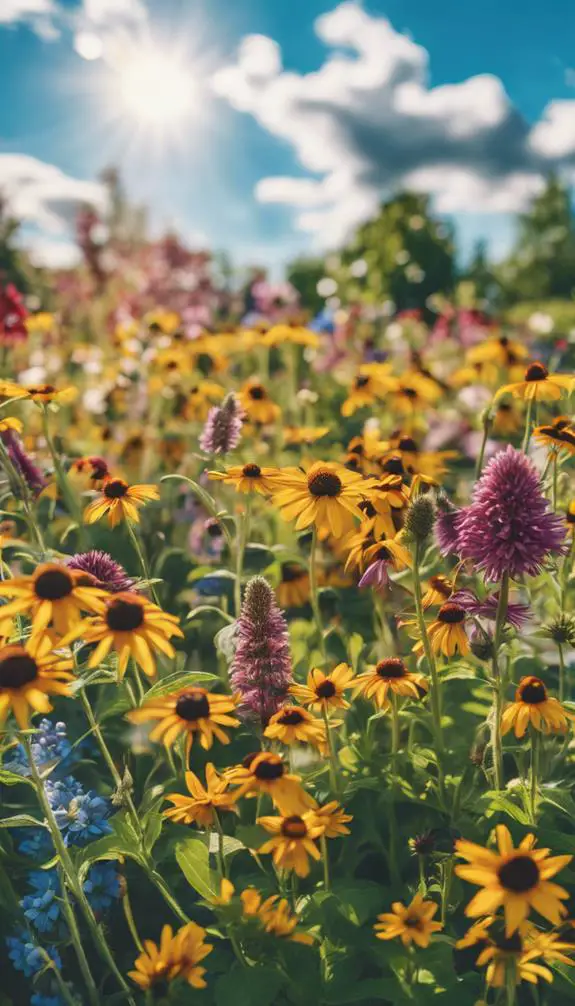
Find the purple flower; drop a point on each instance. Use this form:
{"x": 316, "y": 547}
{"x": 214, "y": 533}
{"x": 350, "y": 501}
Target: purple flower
{"x": 445, "y": 526}
{"x": 23, "y": 463}
{"x": 261, "y": 667}
{"x": 108, "y": 574}
{"x": 517, "y": 614}
{"x": 376, "y": 575}
{"x": 223, "y": 428}
{"x": 509, "y": 526}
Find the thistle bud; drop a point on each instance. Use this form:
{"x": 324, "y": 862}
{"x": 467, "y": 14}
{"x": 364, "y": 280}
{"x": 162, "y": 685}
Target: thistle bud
{"x": 419, "y": 519}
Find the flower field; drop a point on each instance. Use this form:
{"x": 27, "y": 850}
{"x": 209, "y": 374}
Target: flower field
{"x": 287, "y": 625}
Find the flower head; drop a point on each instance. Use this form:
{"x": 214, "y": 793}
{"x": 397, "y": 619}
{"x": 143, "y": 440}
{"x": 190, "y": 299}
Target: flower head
{"x": 188, "y": 712}
{"x": 412, "y": 923}
{"x": 266, "y": 772}
{"x": 28, "y": 675}
{"x": 120, "y": 501}
{"x": 202, "y": 802}
{"x": 533, "y": 706}
{"x": 223, "y": 429}
{"x": 261, "y": 669}
{"x": 293, "y": 840}
{"x": 509, "y": 526}
{"x": 390, "y": 675}
{"x": 177, "y": 956}
{"x": 105, "y": 572}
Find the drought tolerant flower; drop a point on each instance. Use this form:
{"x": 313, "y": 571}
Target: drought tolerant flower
{"x": 106, "y": 573}
{"x": 293, "y": 590}
{"x": 266, "y": 772}
{"x": 325, "y": 691}
{"x": 438, "y": 589}
{"x": 257, "y": 405}
{"x": 188, "y": 712}
{"x": 517, "y": 879}
{"x": 120, "y": 501}
{"x": 203, "y": 802}
{"x": 509, "y": 527}
{"x": 247, "y": 478}
{"x": 178, "y": 955}
{"x": 332, "y": 819}
{"x": 390, "y": 675}
{"x": 293, "y": 841}
{"x": 534, "y": 707}
{"x": 412, "y": 923}
{"x": 260, "y": 672}
{"x": 327, "y": 496}
{"x": 274, "y": 914}
{"x": 223, "y": 429}
{"x": 558, "y": 435}
{"x": 372, "y": 381}
{"x": 131, "y": 625}
{"x": 52, "y": 594}
{"x": 447, "y": 633}
{"x": 380, "y": 558}
{"x": 28, "y": 675}
{"x": 293, "y": 725}
{"x": 538, "y": 385}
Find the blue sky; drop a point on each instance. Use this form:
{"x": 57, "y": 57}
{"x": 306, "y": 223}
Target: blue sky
{"x": 269, "y": 163}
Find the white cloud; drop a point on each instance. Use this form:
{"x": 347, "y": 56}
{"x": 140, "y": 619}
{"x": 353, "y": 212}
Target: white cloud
{"x": 12, "y": 11}
{"x": 367, "y": 123}
{"x": 48, "y": 254}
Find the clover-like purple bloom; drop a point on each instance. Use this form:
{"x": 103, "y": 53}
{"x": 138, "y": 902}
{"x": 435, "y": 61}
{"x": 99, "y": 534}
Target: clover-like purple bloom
{"x": 107, "y": 573}
{"x": 223, "y": 428}
{"x": 261, "y": 667}
{"x": 509, "y": 526}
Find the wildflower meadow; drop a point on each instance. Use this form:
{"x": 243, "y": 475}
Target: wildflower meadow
{"x": 287, "y": 620}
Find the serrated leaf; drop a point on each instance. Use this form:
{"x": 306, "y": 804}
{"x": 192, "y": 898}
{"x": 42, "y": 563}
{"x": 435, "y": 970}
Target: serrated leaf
{"x": 193, "y": 858}
{"x": 174, "y": 682}
{"x": 21, "y": 821}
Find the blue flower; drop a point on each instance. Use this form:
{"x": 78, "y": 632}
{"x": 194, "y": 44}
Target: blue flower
{"x": 211, "y": 586}
{"x": 34, "y": 842}
{"x": 26, "y": 955}
{"x": 43, "y": 908}
{"x": 80, "y": 815}
{"x": 49, "y": 744}
{"x": 102, "y": 886}
{"x": 40, "y": 1000}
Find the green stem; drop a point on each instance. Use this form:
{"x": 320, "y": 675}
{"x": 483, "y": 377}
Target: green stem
{"x": 62, "y": 987}
{"x": 77, "y": 940}
{"x": 535, "y": 750}
{"x": 325, "y": 862}
{"x": 511, "y": 982}
{"x": 395, "y": 731}
{"x": 314, "y": 597}
{"x": 435, "y": 694}
{"x": 242, "y": 534}
{"x": 15, "y": 475}
{"x": 447, "y": 877}
{"x": 71, "y": 874}
{"x": 143, "y": 562}
{"x": 333, "y": 765}
{"x": 487, "y": 425}
{"x": 527, "y": 434}
{"x": 127, "y": 906}
{"x": 555, "y": 473}
{"x": 496, "y": 741}
{"x": 422, "y": 876}
{"x": 68, "y": 494}
{"x": 220, "y": 852}
{"x": 562, "y": 675}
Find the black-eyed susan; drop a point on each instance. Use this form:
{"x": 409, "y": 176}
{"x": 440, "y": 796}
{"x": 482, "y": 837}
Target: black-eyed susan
{"x": 52, "y": 595}
{"x": 381, "y": 558}
{"x": 372, "y": 381}
{"x": 447, "y": 633}
{"x": 507, "y": 420}
{"x": 177, "y": 956}
{"x": 200, "y": 398}
{"x": 11, "y": 423}
{"x": 389, "y": 675}
{"x": 131, "y": 625}
{"x": 291, "y": 332}
{"x": 266, "y": 772}
{"x": 188, "y": 712}
{"x": 438, "y": 590}
{"x": 327, "y": 496}
{"x": 501, "y": 350}
{"x": 412, "y": 923}
{"x": 415, "y": 460}
{"x": 388, "y": 498}
{"x": 539, "y": 385}
{"x": 307, "y": 435}
{"x": 293, "y": 590}
{"x": 29, "y": 673}
{"x": 514, "y": 954}
{"x": 558, "y": 435}
{"x": 296, "y": 725}
{"x": 325, "y": 691}
{"x": 120, "y": 501}
{"x": 293, "y": 841}
{"x": 274, "y": 914}
{"x": 45, "y": 394}
{"x": 570, "y": 518}
{"x": 380, "y": 524}
{"x": 93, "y": 469}
{"x": 256, "y": 403}
{"x": 248, "y": 478}
{"x": 517, "y": 879}
{"x": 203, "y": 802}
{"x": 534, "y": 707}
{"x": 332, "y": 819}
{"x": 414, "y": 394}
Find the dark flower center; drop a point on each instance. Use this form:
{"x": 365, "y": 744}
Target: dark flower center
{"x": 392, "y": 667}
{"x": 193, "y": 705}
{"x": 291, "y": 718}
{"x": 367, "y": 508}
{"x": 291, "y": 571}
{"x": 534, "y": 692}
{"x": 213, "y": 529}
{"x": 536, "y": 372}
{"x": 353, "y": 463}
{"x": 124, "y": 616}
{"x": 269, "y": 770}
{"x": 294, "y": 827}
{"x": 509, "y": 944}
{"x": 325, "y": 484}
{"x": 383, "y": 554}
{"x": 251, "y": 471}
{"x": 451, "y": 614}
{"x": 408, "y": 444}
{"x": 115, "y": 489}
{"x": 53, "y": 585}
{"x": 504, "y": 340}
{"x": 257, "y": 392}
{"x": 17, "y": 669}
{"x": 567, "y": 437}
{"x": 42, "y": 389}
{"x": 394, "y": 466}
{"x": 504, "y": 407}
{"x": 413, "y": 922}
{"x": 326, "y": 690}
{"x": 439, "y": 584}
{"x": 361, "y": 382}
{"x": 570, "y": 517}
{"x": 520, "y": 874}
{"x": 410, "y": 393}
{"x": 561, "y": 423}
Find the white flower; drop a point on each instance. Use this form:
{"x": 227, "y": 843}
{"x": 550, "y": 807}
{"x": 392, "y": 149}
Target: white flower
{"x": 541, "y": 323}
{"x": 326, "y": 287}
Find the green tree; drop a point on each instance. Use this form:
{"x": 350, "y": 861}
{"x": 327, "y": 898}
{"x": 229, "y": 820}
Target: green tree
{"x": 304, "y": 274}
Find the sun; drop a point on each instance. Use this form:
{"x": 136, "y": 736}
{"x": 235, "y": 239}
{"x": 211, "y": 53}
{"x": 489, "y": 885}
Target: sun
{"x": 154, "y": 89}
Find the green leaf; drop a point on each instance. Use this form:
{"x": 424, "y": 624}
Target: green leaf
{"x": 193, "y": 859}
{"x": 174, "y": 682}
{"x": 13, "y": 778}
{"x": 209, "y": 607}
{"x": 22, "y": 821}
{"x": 246, "y": 986}
{"x": 355, "y": 646}
{"x": 152, "y": 828}
{"x": 229, "y": 845}
{"x": 497, "y": 801}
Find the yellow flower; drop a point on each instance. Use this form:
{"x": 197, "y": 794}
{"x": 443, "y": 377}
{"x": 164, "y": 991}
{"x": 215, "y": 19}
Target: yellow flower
{"x": 52, "y": 594}
{"x": 177, "y": 956}
{"x": 293, "y": 590}
{"x": 293, "y": 725}
{"x": 291, "y": 332}
{"x": 203, "y": 801}
{"x": 570, "y": 518}
{"x": 534, "y": 707}
{"x": 506, "y": 420}
{"x": 332, "y": 819}
{"x": 538, "y": 385}
{"x": 190, "y": 711}
{"x": 503, "y": 351}
{"x": 247, "y": 478}
{"x": 132, "y": 626}
{"x": 11, "y": 423}
{"x": 415, "y": 393}
{"x": 41, "y": 322}
{"x": 200, "y": 399}
{"x": 438, "y": 590}
{"x": 44, "y": 394}
{"x": 558, "y": 435}
{"x": 295, "y": 435}
{"x": 257, "y": 404}
{"x": 514, "y": 953}
{"x": 413, "y": 924}
{"x": 390, "y": 675}
{"x": 327, "y": 495}
{"x": 391, "y": 551}
{"x": 293, "y": 841}
{"x": 447, "y": 633}
{"x": 266, "y": 772}
{"x": 325, "y": 691}
{"x": 28, "y": 675}
{"x": 373, "y": 381}
{"x": 274, "y": 914}
{"x": 517, "y": 879}
{"x": 120, "y": 502}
